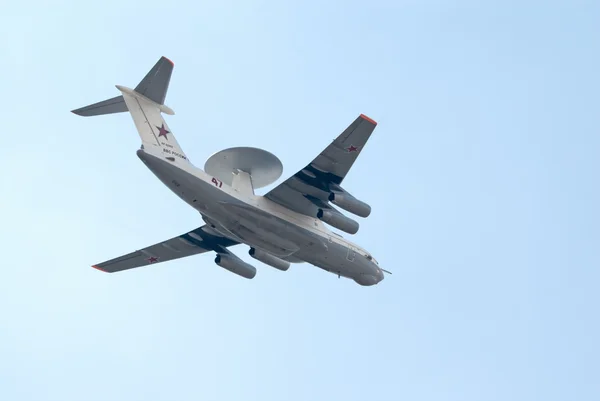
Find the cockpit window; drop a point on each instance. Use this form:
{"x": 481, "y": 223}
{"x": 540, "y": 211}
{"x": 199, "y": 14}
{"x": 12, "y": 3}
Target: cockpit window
{"x": 371, "y": 258}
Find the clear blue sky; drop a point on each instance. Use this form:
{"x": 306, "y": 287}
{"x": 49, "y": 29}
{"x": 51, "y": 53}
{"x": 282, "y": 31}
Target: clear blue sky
{"x": 482, "y": 175}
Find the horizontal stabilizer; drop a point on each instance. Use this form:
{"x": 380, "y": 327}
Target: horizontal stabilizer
{"x": 110, "y": 106}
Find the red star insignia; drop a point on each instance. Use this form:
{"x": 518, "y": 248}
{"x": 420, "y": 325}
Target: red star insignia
{"x": 162, "y": 131}
{"x": 352, "y": 148}
{"x": 152, "y": 259}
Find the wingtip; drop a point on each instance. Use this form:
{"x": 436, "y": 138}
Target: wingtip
{"x": 98, "y": 268}
{"x": 368, "y": 119}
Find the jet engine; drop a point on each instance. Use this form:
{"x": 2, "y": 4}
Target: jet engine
{"x": 269, "y": 259}
{"x": 350, "y": 204}
{"x": 338, "y": 220}
{"x": 235, "y": 265}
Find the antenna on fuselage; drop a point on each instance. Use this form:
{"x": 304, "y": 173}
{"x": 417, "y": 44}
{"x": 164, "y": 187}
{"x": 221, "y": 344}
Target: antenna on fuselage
{"x": 244, "y": 168}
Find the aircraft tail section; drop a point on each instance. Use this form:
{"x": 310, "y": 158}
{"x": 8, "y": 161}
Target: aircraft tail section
{"x": 154, "y": 87}
{"x": 152, "y": 127}
{"x": 109, "y": 106}
{"x": 145, "y": 103}
{"x": 155, "y": 84}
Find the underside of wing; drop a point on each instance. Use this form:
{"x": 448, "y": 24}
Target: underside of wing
{"x": 311, "y": 190}
{"x": 195, "y": 242}
{"x": 336, "y": 160}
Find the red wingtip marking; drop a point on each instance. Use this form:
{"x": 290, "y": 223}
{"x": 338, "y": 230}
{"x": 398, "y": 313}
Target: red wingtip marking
{"x": 368, "y": 119}
{"x": 97, "y": 268}
{"x": 172, "y": 63}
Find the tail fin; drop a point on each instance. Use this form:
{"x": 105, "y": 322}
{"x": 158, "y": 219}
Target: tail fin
{"x": 145, "y": 103}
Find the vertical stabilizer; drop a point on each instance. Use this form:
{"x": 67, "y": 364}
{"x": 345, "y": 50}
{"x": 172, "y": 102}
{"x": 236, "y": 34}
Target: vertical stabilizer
{"x": 145, "y": 103}
{"x": 151, "y": 126}
{"x": 155, "y": 84}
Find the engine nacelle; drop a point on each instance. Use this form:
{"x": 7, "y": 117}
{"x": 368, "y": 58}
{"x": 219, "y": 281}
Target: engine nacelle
{"x": 350, "y": 204}
{"x": 269, "y": 259}
{"x": 338, "y": 220}
{"x": 235, "y": 265}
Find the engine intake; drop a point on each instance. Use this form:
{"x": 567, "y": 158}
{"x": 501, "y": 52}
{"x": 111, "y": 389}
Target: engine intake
{"x": 350, "y": 204}
{"x": 338, "y": 220}
{"x": 235, "y": 265}
{"x": 269, "y": 259}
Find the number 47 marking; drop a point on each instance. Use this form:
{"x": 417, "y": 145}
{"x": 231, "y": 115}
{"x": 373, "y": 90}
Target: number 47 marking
{"x": 218, "y": 183}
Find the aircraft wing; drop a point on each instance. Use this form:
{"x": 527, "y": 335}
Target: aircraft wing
{"x": 309, "y": 189}
{"x": 200, "y": 240}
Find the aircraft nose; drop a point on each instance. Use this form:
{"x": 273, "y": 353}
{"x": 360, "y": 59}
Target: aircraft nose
{"x": 380, "y": 275}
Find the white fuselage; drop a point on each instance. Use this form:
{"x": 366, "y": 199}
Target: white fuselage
{"x": 263, "y": 224}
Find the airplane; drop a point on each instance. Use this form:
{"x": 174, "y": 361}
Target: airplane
{"x": 284, "y": 226}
